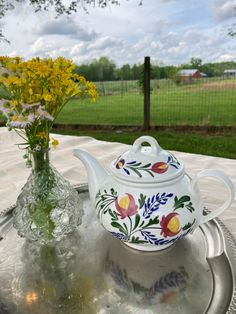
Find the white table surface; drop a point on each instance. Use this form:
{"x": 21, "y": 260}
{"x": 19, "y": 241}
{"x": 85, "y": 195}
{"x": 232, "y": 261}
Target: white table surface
{"x": 13, "y": 172}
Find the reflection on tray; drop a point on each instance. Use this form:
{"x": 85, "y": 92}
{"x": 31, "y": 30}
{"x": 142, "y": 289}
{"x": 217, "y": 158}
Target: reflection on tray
{"x": 170, "y": 280}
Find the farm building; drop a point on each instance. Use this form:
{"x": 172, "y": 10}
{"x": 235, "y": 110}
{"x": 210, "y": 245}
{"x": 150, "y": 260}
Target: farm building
{"x": 230, "y": 73}
{"x": 190, "y": 74}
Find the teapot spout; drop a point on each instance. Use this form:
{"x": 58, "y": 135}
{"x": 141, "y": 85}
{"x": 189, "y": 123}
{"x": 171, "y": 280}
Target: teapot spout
{"x": 95, "y": 171}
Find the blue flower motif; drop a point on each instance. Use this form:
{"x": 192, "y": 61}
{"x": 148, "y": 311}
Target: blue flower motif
{"x": 120, "y": 236}
{"x": 153, "y": 203}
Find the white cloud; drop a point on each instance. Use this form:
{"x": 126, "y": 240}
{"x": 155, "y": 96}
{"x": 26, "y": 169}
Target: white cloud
{"x": 226, "y": 57}
{"x": 105, "y": 42}
{"x": 78, "y": 49}
{"x": 42, "y": 46}
{"x": 169, "y": 31}
{"x": 193, "y": 37}
{"x": 66, "y": 27}
{"x": 224, "y": 10}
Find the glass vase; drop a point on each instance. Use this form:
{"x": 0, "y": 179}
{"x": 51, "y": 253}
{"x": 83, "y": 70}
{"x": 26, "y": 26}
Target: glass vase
{"x": 48, "y": 207}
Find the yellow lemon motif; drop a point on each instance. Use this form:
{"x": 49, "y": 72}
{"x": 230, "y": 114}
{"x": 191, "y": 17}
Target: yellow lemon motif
{"x": 174, "y": 225}
{"x": 164, "y": 166}
{"x": 120, "y": 164}
{"x": 124, "y": 202}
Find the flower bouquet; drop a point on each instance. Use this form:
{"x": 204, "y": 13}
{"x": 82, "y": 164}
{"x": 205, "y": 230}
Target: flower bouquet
{"x": 32, "y": 94}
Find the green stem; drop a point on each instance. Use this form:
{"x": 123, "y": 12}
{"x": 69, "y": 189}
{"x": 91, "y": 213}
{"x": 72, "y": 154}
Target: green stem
{"x": 56, "y": 115}
{"x": 40, "y": 161}
{"x": 20, "y": 134}
{"x": 131, "y": 225}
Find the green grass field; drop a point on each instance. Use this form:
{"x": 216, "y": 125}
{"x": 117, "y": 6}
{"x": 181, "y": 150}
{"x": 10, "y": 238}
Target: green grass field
{"x": 206, "y": 102}
{"x": 220, "y": 145}
{"x": 169, "y": 107}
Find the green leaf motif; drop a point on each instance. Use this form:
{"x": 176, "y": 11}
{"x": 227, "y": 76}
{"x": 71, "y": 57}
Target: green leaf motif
{"x": 136, "y": 240}
{"x": 113, "y": 215}
{"x": 116, "y": 225}
{"x": 147, "y": 166}
{"x": 126, "y": 229}
{"x": 179, "y": 203}
{"x": 188, "y": 225}
{"x": 141, "y": 200}
{"x": 190, "y": 207}
{"x": 137, "y": 220}
{"x": 121, "y": 228}
{"x": 136, "y": 171}
{"x": 152, "y": 222}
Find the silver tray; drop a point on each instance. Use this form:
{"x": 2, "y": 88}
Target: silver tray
{"x": 90, "y": 272}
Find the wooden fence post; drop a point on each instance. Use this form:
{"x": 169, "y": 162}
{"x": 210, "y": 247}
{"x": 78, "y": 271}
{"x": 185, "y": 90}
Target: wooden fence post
{"x": 146, "y": 86}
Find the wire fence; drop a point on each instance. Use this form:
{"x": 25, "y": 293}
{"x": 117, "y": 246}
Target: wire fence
{"x": 197, "y": 102}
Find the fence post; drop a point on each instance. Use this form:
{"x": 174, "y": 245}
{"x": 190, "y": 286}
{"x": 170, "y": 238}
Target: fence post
{"x": 146, "y": 86}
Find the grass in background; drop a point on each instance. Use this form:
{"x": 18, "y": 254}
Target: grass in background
{"x": 206, "y": 102}
{"x": 168, "y": 107}
{"x": 214, "y": 145}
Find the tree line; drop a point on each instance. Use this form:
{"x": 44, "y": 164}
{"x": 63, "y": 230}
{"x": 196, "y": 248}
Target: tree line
{"x": 104, "y": 69}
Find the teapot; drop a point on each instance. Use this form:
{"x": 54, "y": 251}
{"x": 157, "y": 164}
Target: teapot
{"x": 147, "y": 200}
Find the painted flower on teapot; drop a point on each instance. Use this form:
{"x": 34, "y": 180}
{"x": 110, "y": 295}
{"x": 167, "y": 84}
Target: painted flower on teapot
{"x": 147, "y": 200}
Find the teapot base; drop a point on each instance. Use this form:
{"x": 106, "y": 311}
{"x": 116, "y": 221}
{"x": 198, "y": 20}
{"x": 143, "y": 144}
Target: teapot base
{"x": 147, "y": 248}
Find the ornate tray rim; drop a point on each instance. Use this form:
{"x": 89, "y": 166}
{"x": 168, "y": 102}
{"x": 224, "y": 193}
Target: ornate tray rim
{"x": 230, "y": 243}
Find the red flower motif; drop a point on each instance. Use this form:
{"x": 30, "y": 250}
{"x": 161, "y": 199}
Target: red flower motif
{"x": 126, "y": 206}
{"x": 170, "y": 225}
{"x": 160, "y": 167}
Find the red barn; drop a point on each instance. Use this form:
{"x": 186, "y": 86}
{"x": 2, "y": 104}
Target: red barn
{"x": 188, "y": 75}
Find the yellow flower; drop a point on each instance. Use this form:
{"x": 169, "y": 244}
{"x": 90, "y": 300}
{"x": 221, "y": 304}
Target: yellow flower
{"x": 13, "y": 80}
{"x": 47, "y": 97}
{"x": 55, "y": 142}
{"x": 46, "y": 82}
{"x": 42, "y": 135}
{"x": 14, "y": 118}
{"x": 14, "y": 104}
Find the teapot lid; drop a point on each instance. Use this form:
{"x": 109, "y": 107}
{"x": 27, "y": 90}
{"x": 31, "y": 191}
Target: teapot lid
{"x": 147, "y": 163}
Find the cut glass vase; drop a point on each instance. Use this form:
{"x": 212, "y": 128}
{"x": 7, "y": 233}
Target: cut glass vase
{"x": 48, "y": 207}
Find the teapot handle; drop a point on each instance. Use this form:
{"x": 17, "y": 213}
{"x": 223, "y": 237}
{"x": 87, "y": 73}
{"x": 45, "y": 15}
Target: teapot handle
{"x": 228, "y": 183}
{"x": 155, "y": 147}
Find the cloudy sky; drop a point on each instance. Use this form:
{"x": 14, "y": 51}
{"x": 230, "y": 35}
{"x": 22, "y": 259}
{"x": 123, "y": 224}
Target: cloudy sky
{"x": 170, "y": 31}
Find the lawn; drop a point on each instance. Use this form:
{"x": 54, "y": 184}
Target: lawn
{"x": 204, "y": 102}
{"x": 177, "y": 106}
{"x": 211, "y": 102}
{"x": 220, "y": 145}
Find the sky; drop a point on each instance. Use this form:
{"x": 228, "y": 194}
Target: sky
{"x": 169, "y": 31}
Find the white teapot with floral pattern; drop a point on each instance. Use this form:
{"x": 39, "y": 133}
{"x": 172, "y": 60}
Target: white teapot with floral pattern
{"x": 147, "y": 200}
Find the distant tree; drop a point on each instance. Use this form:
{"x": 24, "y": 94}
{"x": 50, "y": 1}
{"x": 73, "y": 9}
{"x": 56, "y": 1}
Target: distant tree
{"x": 102, "y": 69}
{"x": 170, "y": 71}
{"x": 136, "y": 71}
{"x": 125, "y": 72}
{"x": 185, "y": 66}
{"x": 155, "y": 72}
{"x": 196, "y": 63}
{"x": 208, "y": 68}
{"x": 105, "y": 69}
